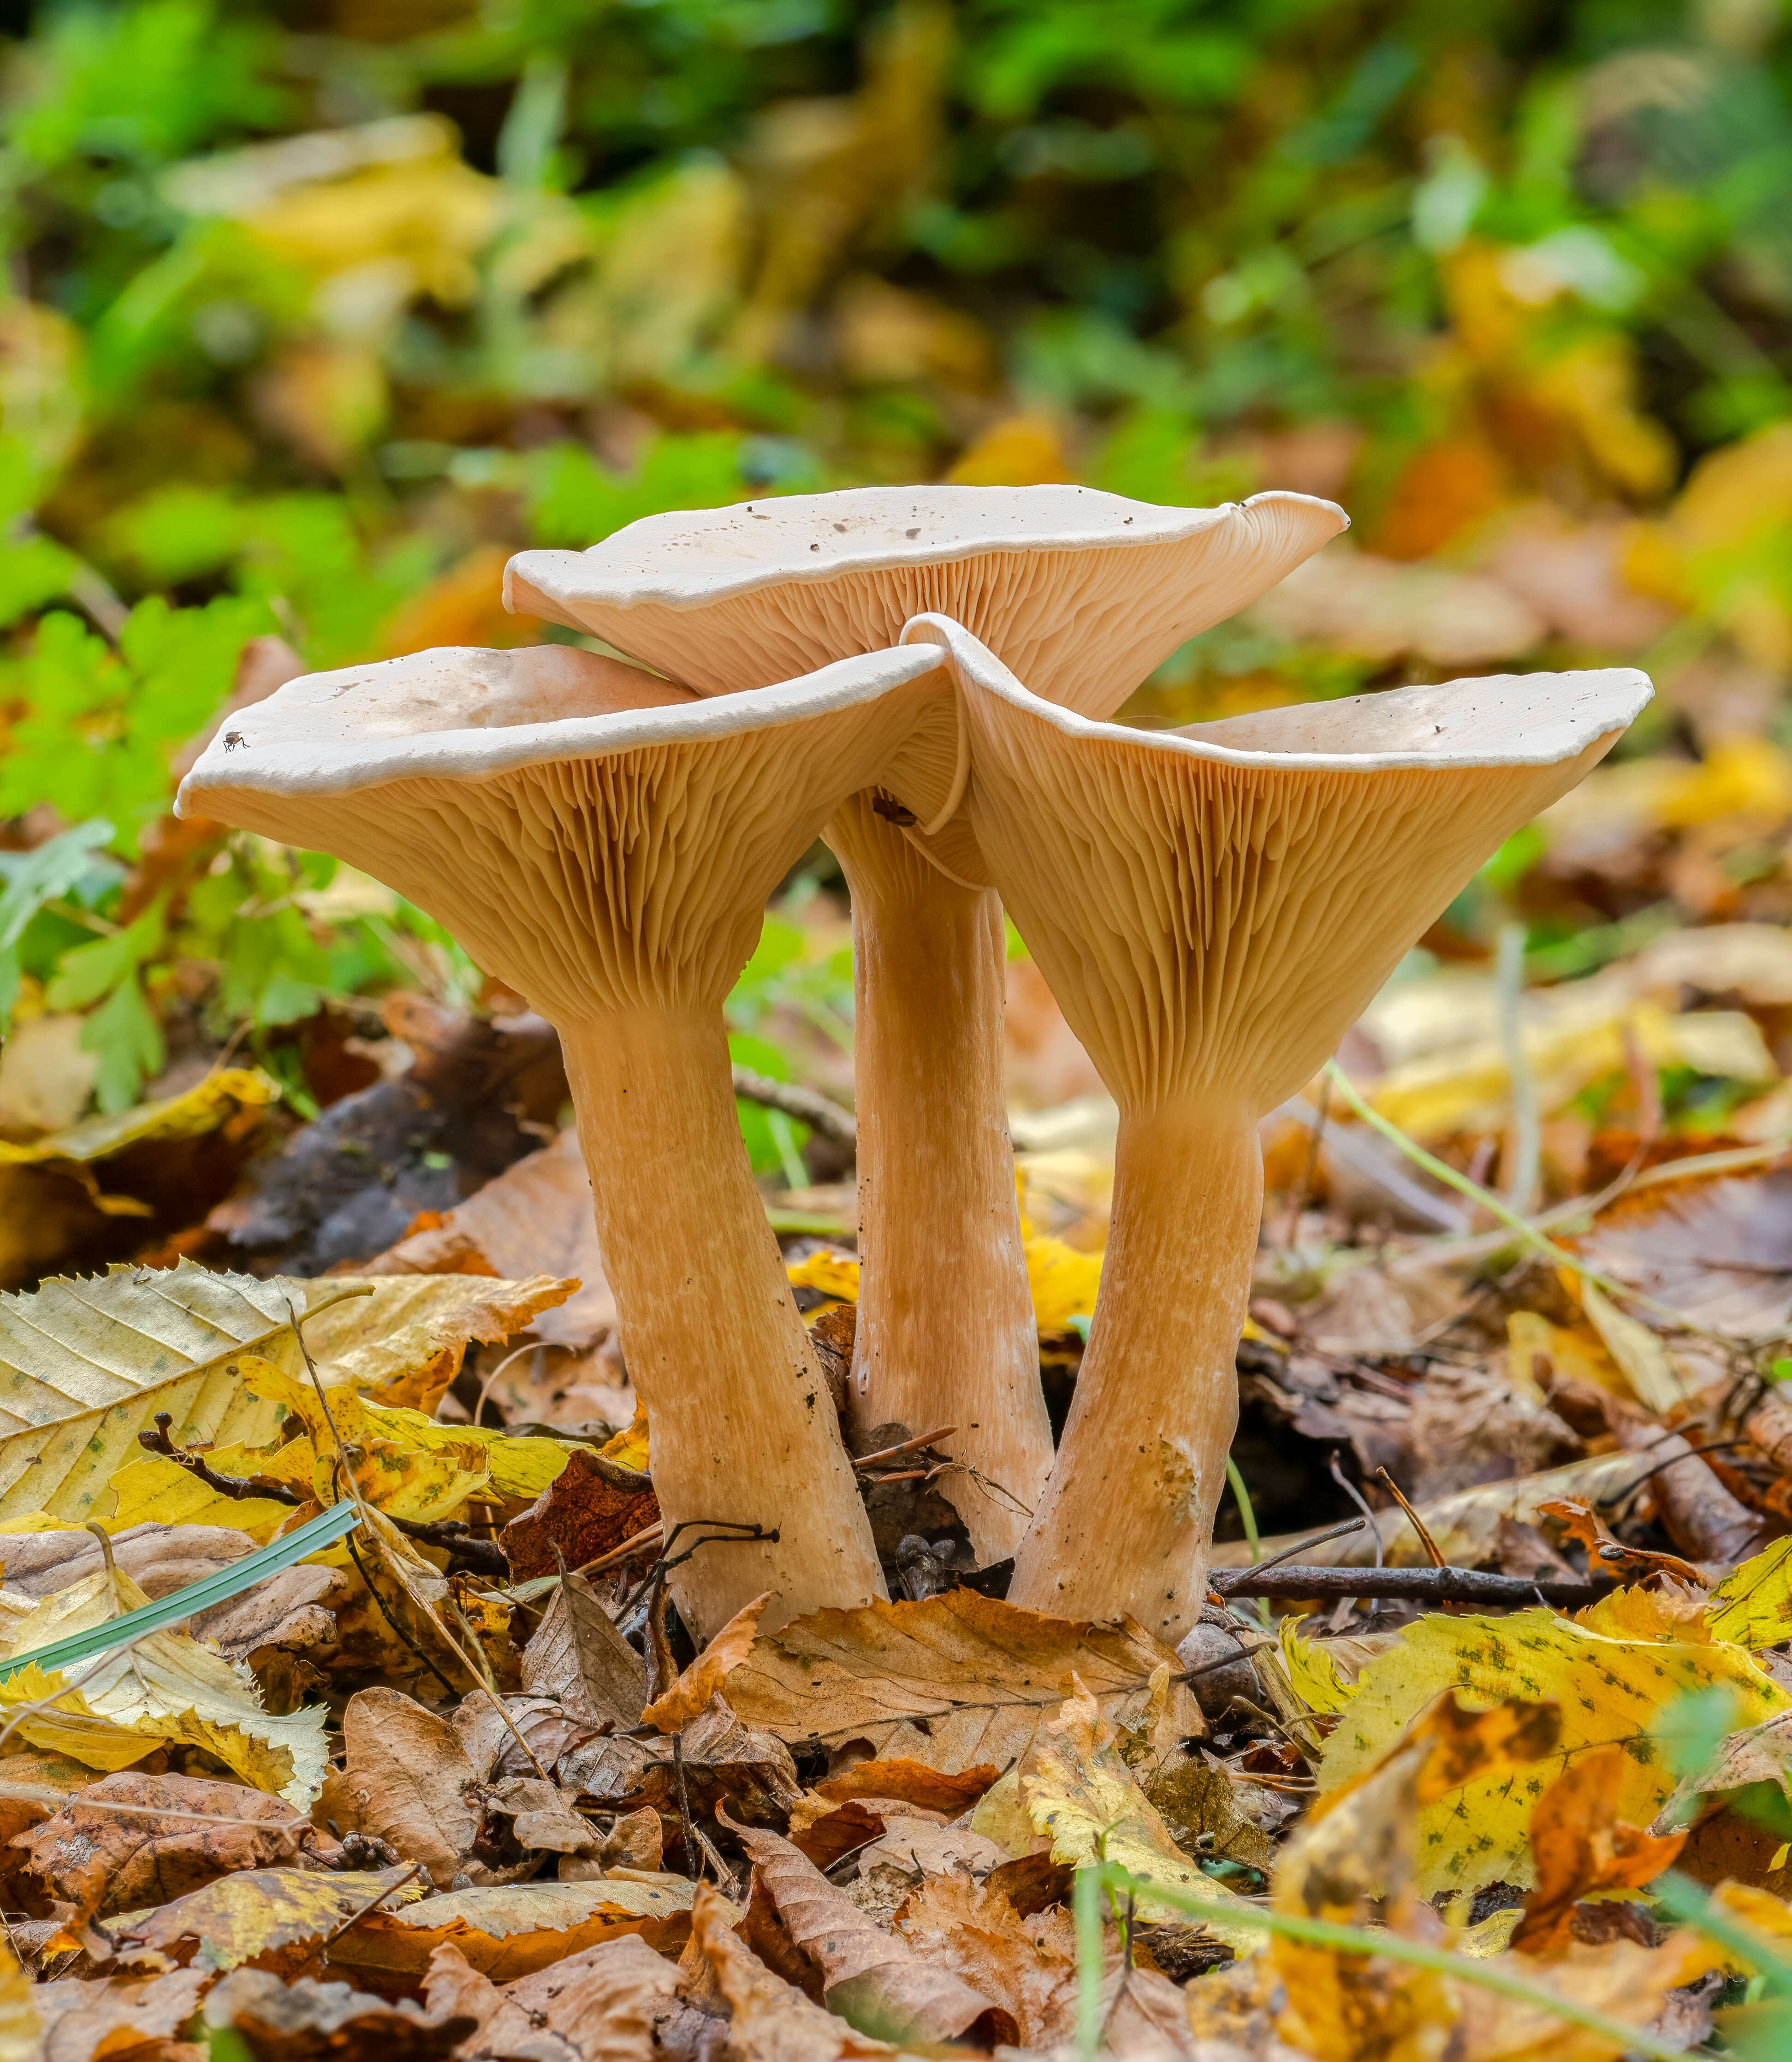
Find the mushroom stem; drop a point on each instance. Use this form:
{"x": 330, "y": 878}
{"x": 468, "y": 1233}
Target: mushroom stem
{"x": 945, "y": 1328}
{"x": 1127, "y": 1522}
{"x": 706, "y": 1317}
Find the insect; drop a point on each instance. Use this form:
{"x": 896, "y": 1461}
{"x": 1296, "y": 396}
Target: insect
{"x": 233, "y": 739}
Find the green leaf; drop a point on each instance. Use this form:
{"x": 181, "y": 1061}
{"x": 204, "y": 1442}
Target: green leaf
{"x": 125, "y": 1032}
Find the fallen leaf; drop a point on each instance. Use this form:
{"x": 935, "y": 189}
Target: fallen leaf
{"x": 578, "y": 1513}
{"x": 402, "y": 1345}
{"x": 256, "y": 1913}
{"x": 1077, "y": 1794}
{"x": 910, "y": 1783}
{"x": 536, "y": 1214}
{"x": 164, "y": 1687}
{"x": 770, "y": 2020}
{"x": 127, "y": 1344}
{"x": 130, "y": 1840}
{"x": 576, "y": 1656}
{"x": 297, "y": 2021}
{"x": 22, "y": 2026}
{"x": 601, "y": 2005}
{"x": 116, "y": 2015}
{"x": 1628, "y": 1983}
{"x": 542, "y": 1816}
{"x": 513, "y": 1929}
{"x": 1753, "y": 1604}
{"x": 1582, "y": 1846}
{"x": 872, "y": 1979}
{"x": 158, "y": 1558}
{"x": 1609, "y": 1691}
{"x": 952, "y": 1682}
{"x": 689, "y": 1696}
{"x": 974, "y": 1934}
{"x": 152, "y": 1489}
{"x": 292, "y": 1610}
{"x": 407, "y": 1779}
{"x": 1715, "y": 1248}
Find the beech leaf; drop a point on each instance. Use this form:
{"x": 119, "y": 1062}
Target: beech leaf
{"x": 689, "y": 1698}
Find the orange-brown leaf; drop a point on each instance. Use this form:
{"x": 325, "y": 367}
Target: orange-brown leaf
{"x": 1582, "y": 1846}
{"x": 689, "y": 1698}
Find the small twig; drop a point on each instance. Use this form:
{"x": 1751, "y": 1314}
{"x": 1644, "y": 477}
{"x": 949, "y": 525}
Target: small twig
{"x": 385, "y": 1612}
{"x": 355, "y": 1918}
{"x": 1433, "y": 1551}
{"x": 817, "y": 1111}
{"x": 483, "y": 1557}
{"x": 479, "y": 1408}
{"x": 1462, "y": 1585}
{"x": 1612, "y": 1504}
{"x": 238, "y": 1487}
{"x": 1300, "y": 1546}
{"x": 908, "y": 1447}
{"x": 693, "y": 1854}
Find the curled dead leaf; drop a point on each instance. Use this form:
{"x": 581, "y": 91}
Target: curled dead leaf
{"x": 689, "y": 1696}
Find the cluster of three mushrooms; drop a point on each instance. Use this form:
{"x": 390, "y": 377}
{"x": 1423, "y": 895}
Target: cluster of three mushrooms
{"x": 1211, "y": 908}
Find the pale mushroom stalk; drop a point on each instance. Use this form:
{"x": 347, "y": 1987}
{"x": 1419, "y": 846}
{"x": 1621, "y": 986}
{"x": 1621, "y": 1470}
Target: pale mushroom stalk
{"x": 1213, "y": 909}
{"x": 1082, "y": 593}
{"x": 605, "y": 842}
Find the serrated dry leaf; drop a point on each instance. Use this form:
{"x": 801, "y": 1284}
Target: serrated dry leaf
{"x": 85, "y": 1365}
{"x": 576, "y": 1656}
{"x": 401, "y": 1344}
{"x": 1581, "y": 1846}
{"x": 166, "y": 1687}
{"x": 974, "y": 1933}
{"x": 1609, "y": 1690}
{"x": 1075, "y": 1792}
{"x": 514, "y": 1929}
{"x": 129, "y": 1840}
{"x": 256, "y": 1914}
{"x": 981, "y": 1675}
{"x": 601, "y": 2005}
{"x": 285, "y": 2022}
{"x": 689, "y": 1698}
{"x": 872, "y": 1979}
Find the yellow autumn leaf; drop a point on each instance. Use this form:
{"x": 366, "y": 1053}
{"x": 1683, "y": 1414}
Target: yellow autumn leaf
{"x": 153, "y": 1490}
{"x": 1063, "y": 1282}
{"x": 400, "y": 1340}
{"x": 165, "y": 1687}
{"x": 1610, "y": 1691}
{"x": 21, "y": 2029}
{"x": 629, "y": 1448}
{"x": 1753, "y": 1604}
{"x": 517, "y": 1467}
{"x": 256, "y": 1912}
{"x": 1076, "y": 1791}
{"x": 1580, "y": 1354}
{"x": 1311, "y": 1673}
{"x": 827, "y": 1273}
{"x": 208, "y": 1104}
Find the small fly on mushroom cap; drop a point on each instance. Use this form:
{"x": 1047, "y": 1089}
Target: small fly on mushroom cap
{"x": 605, "y": 842}
{"x": 1082, "y": 593}
{"x": 1213, "y": 909}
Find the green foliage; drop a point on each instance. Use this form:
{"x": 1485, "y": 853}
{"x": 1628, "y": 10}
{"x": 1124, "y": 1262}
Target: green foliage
{"x": 573, "y": 500}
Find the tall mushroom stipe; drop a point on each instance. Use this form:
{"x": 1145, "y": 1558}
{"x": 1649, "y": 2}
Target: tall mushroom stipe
{"x": 605, "y": 842}
{"x": 1213, "y": 908}
{"x": 1082, "y": 593}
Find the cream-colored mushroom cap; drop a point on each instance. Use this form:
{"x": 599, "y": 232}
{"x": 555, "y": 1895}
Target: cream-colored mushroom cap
{"x": 1083, "y": 592}
{"x": 1215, "y": 905}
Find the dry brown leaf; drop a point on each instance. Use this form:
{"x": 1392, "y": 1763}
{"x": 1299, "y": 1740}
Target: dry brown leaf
{"x": 305, "y": 2020}
{"x": 536, "y": 1214}
{"x": 578, "y": 1513}
{"x": 956, "y": 1681}
{"x": 1582, "y": 1846}
{"x": 542, "y": 1816}
{"x": 407, "y": 1779}
{"x": 159, "y": 1559}
{"x": 601, "y": 2005}
{"x": 115, "y": 2017}
{"x": 291, "y": 1610}
{"x": 576, "y": 1656}
{"x": 401, "y": 1345}
{"x": 770, "y": 2021}
{"x": 910, "y": 1783}
{"x": 257, "y": 1915}
{"x": 511, "y": 1930}
{"x": 689, "y": 1698}
{"x": 974, "y": 1933}
{"x": 871, "y": 1978}
{"x": 131, "y": 1840}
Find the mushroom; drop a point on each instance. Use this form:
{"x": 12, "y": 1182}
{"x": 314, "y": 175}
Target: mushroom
{"x": 605, "y": 842}
{"x": 1082, "y": 593}
{"x": 1213, "y": 908}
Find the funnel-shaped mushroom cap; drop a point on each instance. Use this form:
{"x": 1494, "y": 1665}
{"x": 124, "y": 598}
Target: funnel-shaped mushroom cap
{"x": 1082, "y": 593}
{"x": 573, "y": 820}
{"x": 1212, "y": 907}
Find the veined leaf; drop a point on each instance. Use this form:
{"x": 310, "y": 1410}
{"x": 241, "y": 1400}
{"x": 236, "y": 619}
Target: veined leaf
{"x": 86, "y": 1365}
{"x": 1753, "y": 1605}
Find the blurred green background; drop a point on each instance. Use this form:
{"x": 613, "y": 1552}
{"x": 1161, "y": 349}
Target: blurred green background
{"x": 314, "y": 313}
